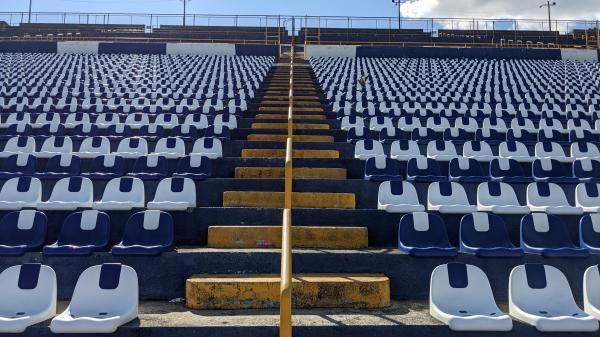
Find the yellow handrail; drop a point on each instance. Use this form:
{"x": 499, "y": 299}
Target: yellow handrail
{"x": 285, "y": 291}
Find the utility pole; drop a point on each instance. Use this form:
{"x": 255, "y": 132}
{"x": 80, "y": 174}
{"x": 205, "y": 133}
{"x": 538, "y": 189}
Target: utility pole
{"x": 549, "y": 5}
{"x": 184, "y": 9}
{"x": 399, "y": 4}
{"x": 29, "y": 19}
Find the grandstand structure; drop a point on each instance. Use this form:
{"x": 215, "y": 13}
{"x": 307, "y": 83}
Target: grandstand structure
{"x": 295, "y": 177}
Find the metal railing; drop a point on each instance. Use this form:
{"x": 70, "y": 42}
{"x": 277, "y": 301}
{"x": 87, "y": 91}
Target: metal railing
{"x": 285, "y": 300}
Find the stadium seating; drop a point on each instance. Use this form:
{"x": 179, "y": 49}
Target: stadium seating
{"x": 398, "y": 197}
{"x": 530, "y": 287}
{"x": 22, "y": 231}
{"x": 174, "y": 194}
{"x": 81, "y": 234}
{"x": 448, "y": 198}
{"x": 462, "y": 298}
{"x": 146, "y": 233}
{"x": 19, "y": 193}
{"x": 28, "y": 296}
{"x": 547, "y": 235}
{"x": 499, "y": 198}
{"x": 105, "y": 297}
{"x": 485, "y": 235}
{"x": 70, "y": 194}
{"x": 122, "y": 194}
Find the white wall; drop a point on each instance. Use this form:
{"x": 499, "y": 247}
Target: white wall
{"x": 329, "y": 51}
{"x": 201, "y": 49}
{"x": 77, "y": 47}
{"x": 579, "y": 55}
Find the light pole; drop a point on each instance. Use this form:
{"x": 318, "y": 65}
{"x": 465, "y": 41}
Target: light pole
{"x": 399, "y": 4}
{"x": 29, "y": 18}
{"x": 549, "y": 5}
{"x": 184, "y": 9}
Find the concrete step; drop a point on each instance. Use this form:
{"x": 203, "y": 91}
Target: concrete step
{"x": 281, "y": 109}
{"x": 298, "y": 126}
{"x": 256, "y": 199}
{"x": 283, "y": 138}
{"x": 308, "y": 291}
{"x": 280, "y": 153}
{"x": 298, "y": 172}
{"x": 302, "y": 237}
{"x": 285, "y": 116}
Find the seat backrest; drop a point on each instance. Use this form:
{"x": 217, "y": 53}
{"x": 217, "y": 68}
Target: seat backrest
{"x": 395, "y": 191}
{"x": 108, "y": 164}
{"x": 484, "y": 230}
{"x": 73, "y": 189}
{"x": 29, "y": 288}
{"x": 457, "y": 280}
{"x": 133, "y": 145}
{"x": 532, "y": 284}
{"x": 176, "y": 190}
{"x": 421, "y": 229}
{"x": 546, "y": 194}
{"x": 589, "y": 231}
{"x": 586, "y": 168}
{"x": 504, "y": 167}
{"x": 422, "y": 166}
{"x": 87, "y": 228}
{"x": 544, "y": 230}
{"x": 544, "y": 168}
{"x": 64, "y": 163}
{"x": 25, "y": 189}
{"x": 95, "y": 144}
{"x": 449, "y": 193}
{"x": 124, "y": 189}
{"x": 149, "y": 228}
{"x": 110, "y": 288}
{"x": 170, "y": 145}
{"x": 20, "y": 144}
{"x": 22, "y": 162}
{"x": 208, "y": 145}
{"x": 26, "y": 227}
{"x": 461, "y": 166}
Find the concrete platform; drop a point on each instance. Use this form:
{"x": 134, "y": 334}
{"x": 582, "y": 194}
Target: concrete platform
{"x": 405, "y": 319}
{"x": 299, "y": 199}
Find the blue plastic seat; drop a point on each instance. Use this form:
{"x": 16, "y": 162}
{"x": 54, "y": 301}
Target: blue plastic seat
{"x": 61, "y": 166}
{"x": 457, "y": 136}
{"x": 196, "y": 167}
{"x": 424, "y": 170}
{"x": 521, "y": 136}
{"x": 550, "y": 170}
{"x": 83, "y": 131}
{"x": 18, "y": 165}
{"x": 106, "y": 168}
{"x": 390, "y": 135}
{"x": 118, "y": 131}
{"x": 489, "y": 136}
{"x": 466, "y": 170}
{"x": 356, "y": 134}
{"x": 485, "y": 235}
{"x": 15, "y": 130}
{"x": 547, "y": 135}
{"x": 508, "y": 171}
{"x": 585, "y": 136}
{"x": 81, "y": 234}
{"x": 22, "y": 231}
{"x": 152, "y": 132}
{"x": 587, "y": 170}
{"x": 424, "y": 234}
{"x": 151, "y": 167}
{"x": 146, "y": 233}
{"x": 220, "y": 132}
{"x": 424, "y": 135}
{"x": 382, "y": 169}
{"x": 589, "y": 233}
{"x": 185, "y": 132}
{"x": 547, "y": 235}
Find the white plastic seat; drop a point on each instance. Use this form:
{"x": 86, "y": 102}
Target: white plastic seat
{"x": 528, "y": 125}
{"x": 549, "y": 198}
{"x": 227, "y": 120}
{"x": 174, "y": 194}
{"x": 500, "y": 126}
{"x": 584, "y": 151}
{"x": 437, "y": 124}
{"x": 480, "y": 151}
{"x": 379, "y": 123}
{"x": 74, "y": 119}
{"x": 167, "y": 121}
{"x": 409, "y": 123}
{"x": 518, "y": 153}
{"x": 105, "y": 120}
{"x": 28, "y": 296}
{"x": 198, "y": 120}
{"x": 19, "y": 193}
{"x": 122, "y": 194}
{"x": 170, "y": 148}
{"x": 551, "y": 150}
{"x": 132, "y": 148}
{"x": 448, "y": 198}
{"x": 469, "y": 124}
{"x": 208, "y": 147}
{"x": 587, "y": 197}
{"x": 70, "y": 194}
{"x": 441, "y": 150}
{"x": 398, "y": 197}
{"x": 54, "y": 146}
{"x": 460, "y": 296}
{"x": 404, "y": 150}
{"x": 93, "y": 147}
{"x": 365, "y": 149}
{"x": 499, "y": 198}
{"x": 105, "y": 297}
{"x": 591, "y": 291}
{"x": 540, "y": 295}
{"x": 349, "y": 122}
{"x": 16, "y": 145}
{"x": 45, "y": 119}
{"x": 551, "y": 124}
{"x": 137, "y": 120}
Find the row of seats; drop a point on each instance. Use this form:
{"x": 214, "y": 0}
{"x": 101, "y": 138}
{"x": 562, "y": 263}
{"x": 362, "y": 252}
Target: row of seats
{"x": 105, "y": 297}
{"x": 128, "y": 148}
{"x": 470, "y": 124}
{"x": 486, "y": 235}
{"x": 147, "y": 233}
{"x": 539, "y": 295}
{"x": 152, "y": 167}
{"x": 463, "y": 169}
{"x": 71, "y": 193}
{"x": 135, "y": 121}
{"x": 445, "y": 151}
{"x": 495, "y": 197}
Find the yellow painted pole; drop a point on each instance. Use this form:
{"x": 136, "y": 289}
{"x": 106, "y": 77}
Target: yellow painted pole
{"x": 285, "y": 292}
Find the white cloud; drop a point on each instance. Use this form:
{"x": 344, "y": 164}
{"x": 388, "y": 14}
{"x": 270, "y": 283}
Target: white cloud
{"x": 565, "y": 9}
